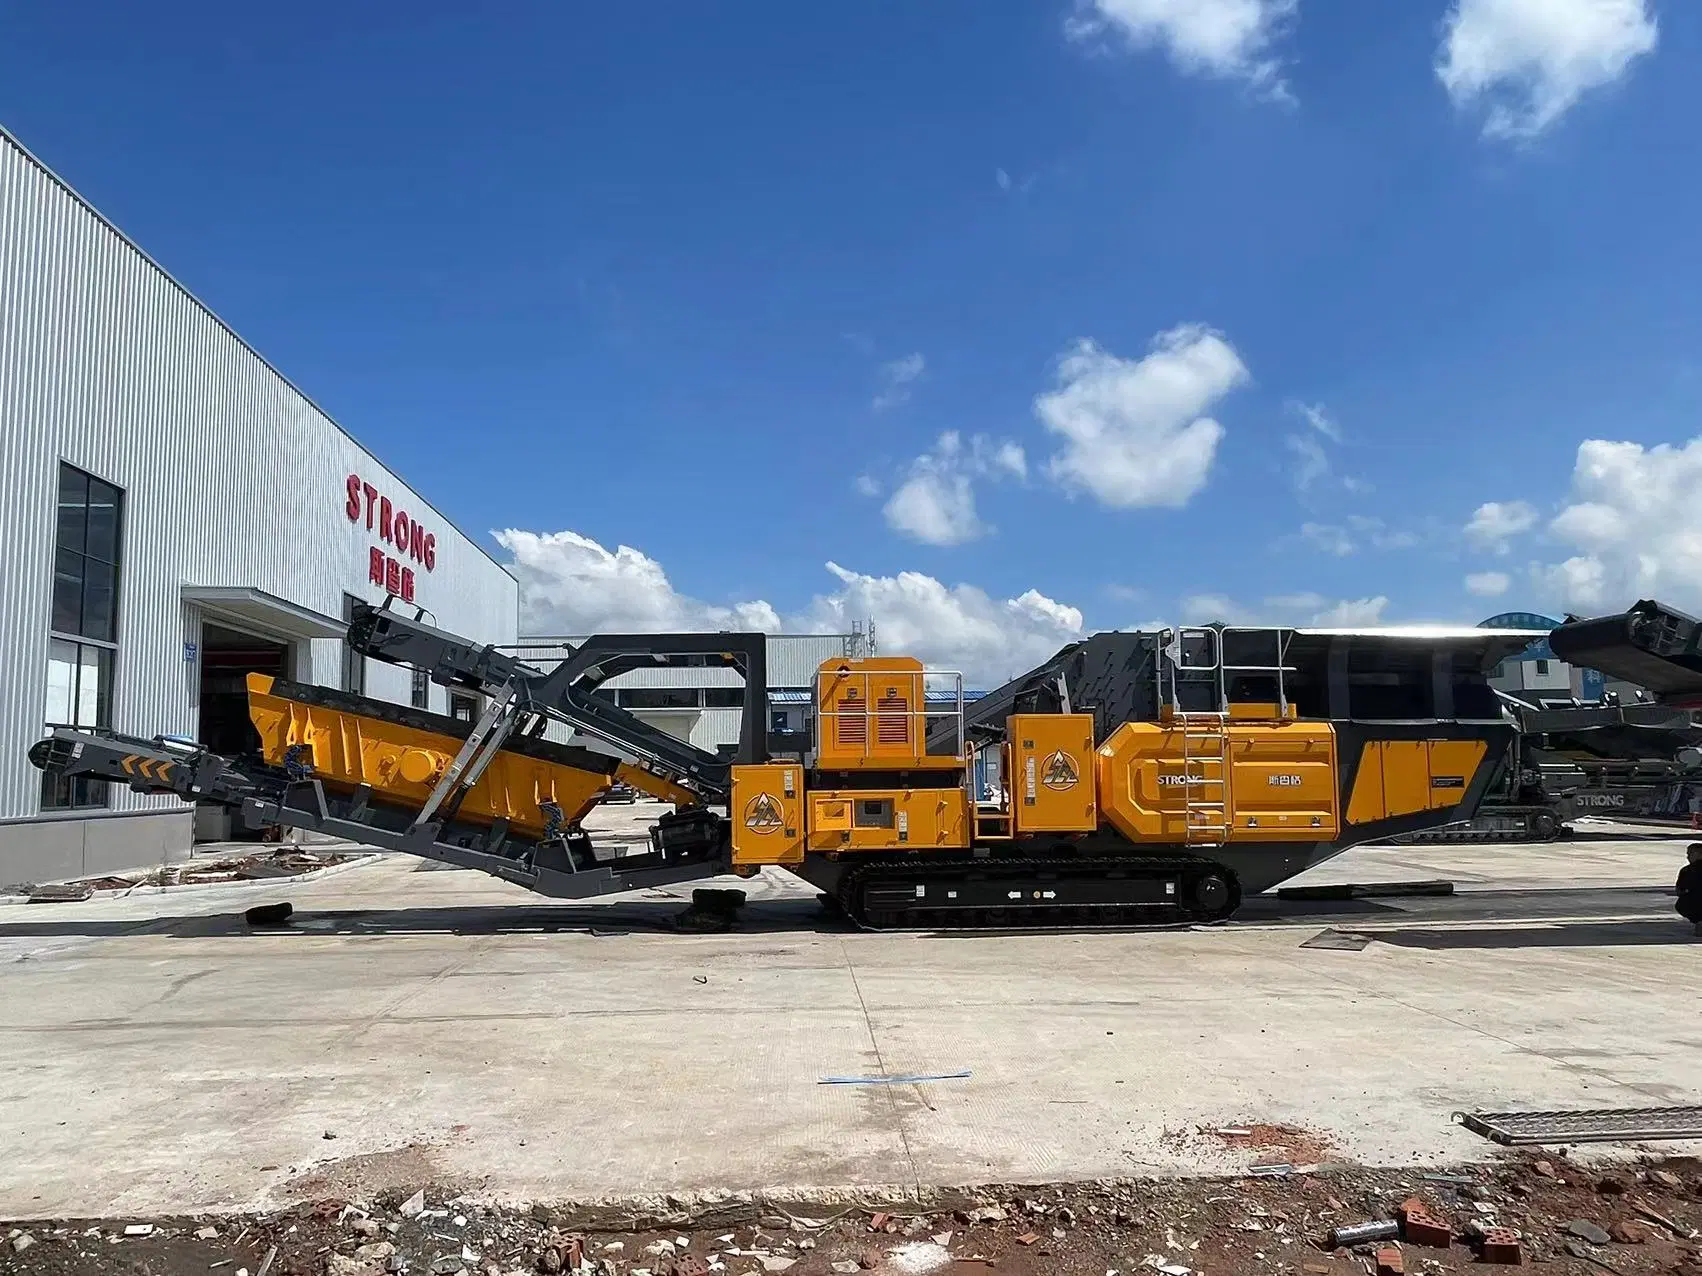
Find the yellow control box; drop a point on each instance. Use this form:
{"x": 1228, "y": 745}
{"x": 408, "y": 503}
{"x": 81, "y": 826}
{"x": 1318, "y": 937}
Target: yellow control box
{"x": 767, "y": 813}
{"x": 889, "y": 820}
{"x": 1052, "y": 787}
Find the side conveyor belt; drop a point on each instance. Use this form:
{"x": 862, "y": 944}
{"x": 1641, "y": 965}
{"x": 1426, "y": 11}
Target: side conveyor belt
{"x": 1651, "y": 645}
{"x": 563, "y": 865}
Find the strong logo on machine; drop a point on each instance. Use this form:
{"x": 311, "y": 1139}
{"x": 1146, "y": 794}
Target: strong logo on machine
{"x": 1060, "y": 773}
{"x": 762, "y": 814}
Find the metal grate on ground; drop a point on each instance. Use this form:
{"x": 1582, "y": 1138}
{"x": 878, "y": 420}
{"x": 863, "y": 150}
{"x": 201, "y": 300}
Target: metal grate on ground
{"x": 1598, "y": 1125}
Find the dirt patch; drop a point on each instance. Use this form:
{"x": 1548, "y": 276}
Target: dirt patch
{"x": 1244, "y": 1226}
{"x": 1283, "y": 1143}
{"x": 369, "y": 1176}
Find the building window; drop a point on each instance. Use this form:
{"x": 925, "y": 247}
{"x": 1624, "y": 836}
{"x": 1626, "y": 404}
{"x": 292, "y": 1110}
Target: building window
{"x": 1542, "y": 668}
{"x": 84, "y": 623}
{"x": 419, "y": 691}
{"x": 657, "y": 697}
{"x": 463, "y": 708}
{"x": 778, "y": 720}
{"x": 354, "y": 663}
{"x": 723, "y": 697}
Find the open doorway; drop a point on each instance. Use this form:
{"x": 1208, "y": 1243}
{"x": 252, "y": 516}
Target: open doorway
{"x": 227, "y": 658}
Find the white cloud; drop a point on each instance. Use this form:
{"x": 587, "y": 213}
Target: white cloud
{"x": 1354, "y": 533}
{"x": 1136, "y": 432}
{"x": 935, "y": 504}
{"x": 1634, "y": 518}
{"x": 1528, "y": 62}
{"x": 569, "y": 584}
{"x": 1320, "y": 420}
{"x": 1379, "y": 534}
{"x": 1002, "y": 178}
{"x": 990, "y": 640}
{"x": 1488, "y": 584}
{"x": 1494, "y": 523}
{"x": 868, "y": 485}
{"x": 1313, "y": 469}
{"x": 1285, "y": 609}
{"x": 1352, "y": 612}
{"x": 1328, "y": 538}
{"x": 936, "y": 509}
{"x": 1228, "y": 39}
{"x": 896, "y": 377}
{"x": 1311, "y": 463}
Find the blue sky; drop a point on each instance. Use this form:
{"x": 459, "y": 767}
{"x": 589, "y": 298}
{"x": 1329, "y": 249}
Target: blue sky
{"x": 1029, "y": 317}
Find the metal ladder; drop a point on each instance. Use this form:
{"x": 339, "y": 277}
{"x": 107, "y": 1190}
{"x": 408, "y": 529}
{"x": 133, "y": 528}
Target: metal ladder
{"x": 1205, "y": 797}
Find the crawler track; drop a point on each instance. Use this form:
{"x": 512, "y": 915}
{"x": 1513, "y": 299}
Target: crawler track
{"x": 1065, "y": 890}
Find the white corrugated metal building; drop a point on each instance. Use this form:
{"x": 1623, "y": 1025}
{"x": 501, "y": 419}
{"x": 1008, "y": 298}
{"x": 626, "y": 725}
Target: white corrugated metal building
{"x": 176, "y": 514}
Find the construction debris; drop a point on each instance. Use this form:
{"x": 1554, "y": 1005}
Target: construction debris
{"x": 1513, "y": 1214}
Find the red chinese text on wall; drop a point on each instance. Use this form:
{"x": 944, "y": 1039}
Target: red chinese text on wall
{"x": 404, "y": 535}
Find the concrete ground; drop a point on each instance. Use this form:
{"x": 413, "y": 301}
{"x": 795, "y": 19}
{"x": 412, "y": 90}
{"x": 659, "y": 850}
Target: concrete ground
{"x": 157, "y": 1056}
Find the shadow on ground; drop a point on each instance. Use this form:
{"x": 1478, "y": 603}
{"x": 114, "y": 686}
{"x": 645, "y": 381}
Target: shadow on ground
{"x": 1557, "y": 935}
{"x": 1608, "y": 917}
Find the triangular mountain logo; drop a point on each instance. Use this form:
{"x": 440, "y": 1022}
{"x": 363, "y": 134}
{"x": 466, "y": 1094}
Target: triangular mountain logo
{"x": 1060, "y": 772}
{"x": 762, "y": 813}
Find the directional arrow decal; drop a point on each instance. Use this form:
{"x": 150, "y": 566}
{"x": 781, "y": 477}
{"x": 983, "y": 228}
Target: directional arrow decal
{"x": 129, "y": 763}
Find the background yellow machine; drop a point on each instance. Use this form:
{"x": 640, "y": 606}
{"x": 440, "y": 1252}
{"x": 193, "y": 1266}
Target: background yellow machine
{"x": 1133, "y": 777}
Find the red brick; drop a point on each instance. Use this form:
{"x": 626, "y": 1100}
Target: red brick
{"x": 1389, "y": 1261}
{"x": 1425, "y": 1229}
{"x": 1501, "y": 1245}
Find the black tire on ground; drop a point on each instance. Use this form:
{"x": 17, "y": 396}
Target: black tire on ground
{"x": 264, "y": 915}
{"x": 717, "y": 898}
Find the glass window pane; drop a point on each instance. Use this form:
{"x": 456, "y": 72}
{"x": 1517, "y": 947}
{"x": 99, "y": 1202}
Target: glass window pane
{"x": 88, "y": 792}
{"x": 68, "y": 592}
{"x": 55, "y": 790}
{"x": 61, "y": 682}
{"x": 103, "y": 699}
{"x": 73, "y": 507}
{"x": 88, "y": 687}
{"x": 99, "y": 580}
{"x": 103, "y": 521}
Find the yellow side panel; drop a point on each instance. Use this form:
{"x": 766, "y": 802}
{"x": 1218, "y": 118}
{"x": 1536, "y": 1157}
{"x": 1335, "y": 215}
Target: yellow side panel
{"x": 1452, "y": 765}
{"x": 1279, "y": 783}
{"x": 889, "y": 820}
{"x": 1365, "y": 806}
{"x": 1052, "y": 781}
{"x": 656, "y": 786}
{"x": 1406, "y": 777}
{"x": 403, "y": 764}
{"x": 767, "y": 811}
{"x": 1283, "y": 782}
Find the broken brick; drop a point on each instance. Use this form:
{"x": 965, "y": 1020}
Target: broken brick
{"x": 1423, "y": 1228}
{"x": 1501, "y": 1245}
{"x": 1027, "y": 1238}
{"x": 1627, "y": 1232}
{"x": 1389, "y": 1261}
{"x": 879, "y": 1221}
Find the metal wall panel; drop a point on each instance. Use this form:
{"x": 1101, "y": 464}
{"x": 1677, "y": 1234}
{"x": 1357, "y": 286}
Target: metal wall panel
{"x": 230, "y": 475}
